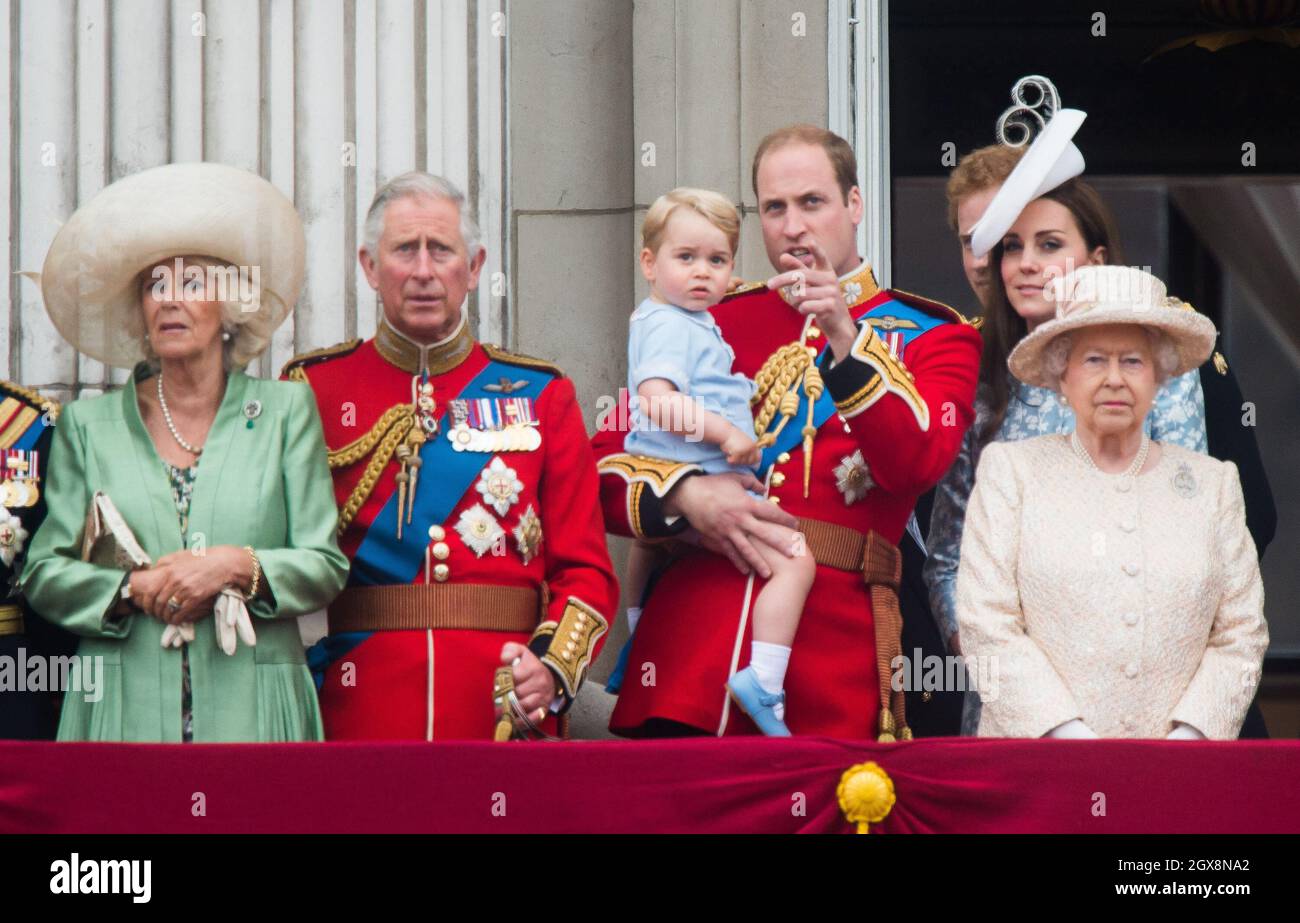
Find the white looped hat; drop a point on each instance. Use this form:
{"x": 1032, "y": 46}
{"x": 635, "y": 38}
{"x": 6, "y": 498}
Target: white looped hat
{"x": 91, "y": 277}
{"x": 1050, "y": 160}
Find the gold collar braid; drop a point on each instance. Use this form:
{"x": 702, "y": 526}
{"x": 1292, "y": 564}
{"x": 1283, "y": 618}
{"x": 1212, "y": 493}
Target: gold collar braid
{"x": 409, "y": 356}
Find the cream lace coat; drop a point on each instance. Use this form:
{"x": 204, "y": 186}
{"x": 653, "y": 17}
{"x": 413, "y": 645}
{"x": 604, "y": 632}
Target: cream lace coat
{"x": 1131, "y": 603}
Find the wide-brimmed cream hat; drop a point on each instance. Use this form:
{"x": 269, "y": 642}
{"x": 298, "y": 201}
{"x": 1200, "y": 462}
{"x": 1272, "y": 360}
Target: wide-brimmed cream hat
{"x": 1095, "y": 295}
{"x": 91, "y": 277}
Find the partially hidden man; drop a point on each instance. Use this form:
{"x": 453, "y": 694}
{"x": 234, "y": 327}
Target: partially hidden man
{"x": 868, "y": 392}
{"x": 26, "y": 430}
{"x": 468, "y": 502}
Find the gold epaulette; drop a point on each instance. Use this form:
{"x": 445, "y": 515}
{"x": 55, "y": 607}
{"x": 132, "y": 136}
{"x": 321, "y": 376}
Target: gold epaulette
{"x": 935, "y": 308}
{"x": 497, "y": 354}
{"x": 35, "y": 398}
{"x": 743, "y": 288}
{"x": 297, "y": 363}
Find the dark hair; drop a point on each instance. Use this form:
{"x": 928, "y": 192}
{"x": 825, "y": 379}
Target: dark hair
{"x": 1003, "y": 328}
{"x": 837, "y": 151}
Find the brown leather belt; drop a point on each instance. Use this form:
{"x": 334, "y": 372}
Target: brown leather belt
{"x": 881, "y": 565}
{"x": 476, "y": 607}
{"x": 11, "y": 620}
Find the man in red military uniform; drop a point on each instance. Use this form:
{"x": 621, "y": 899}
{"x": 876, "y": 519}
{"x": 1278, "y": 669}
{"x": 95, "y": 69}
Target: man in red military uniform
{"x": 468, "y": 502}
{"x": 868, "y": 393}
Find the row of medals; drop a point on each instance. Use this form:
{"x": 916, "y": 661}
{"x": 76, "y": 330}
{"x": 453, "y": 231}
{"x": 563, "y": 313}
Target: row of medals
{"x": 19, "y": 492}
{"x": 512, "y": 438}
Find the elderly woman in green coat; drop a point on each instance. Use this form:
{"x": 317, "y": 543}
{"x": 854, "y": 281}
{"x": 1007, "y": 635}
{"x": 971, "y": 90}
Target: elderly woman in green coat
{"x": 183, "y": 272}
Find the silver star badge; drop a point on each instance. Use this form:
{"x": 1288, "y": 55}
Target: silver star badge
{"x": 499, "y": 486}
{"x": 852, "y": 477}
{"x": 12, "y": 537}
{"x": 528, "y": 534}
{"x": 478, "y": 530}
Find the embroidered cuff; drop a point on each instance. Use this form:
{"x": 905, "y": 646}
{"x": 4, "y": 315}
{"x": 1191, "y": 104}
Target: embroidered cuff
{"x": 867, "y": 373}
{"x": 566, "y": 647}
{"x": 648, "y": 482}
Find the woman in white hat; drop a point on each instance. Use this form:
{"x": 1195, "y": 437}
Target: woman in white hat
{"x": 183, "y": 272}
{"x": 1043, "y": 222}
{"x": 1108, "y": 580}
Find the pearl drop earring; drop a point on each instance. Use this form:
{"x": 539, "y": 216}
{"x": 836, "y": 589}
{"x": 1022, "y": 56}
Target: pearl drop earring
{"x": 225, "y": 336}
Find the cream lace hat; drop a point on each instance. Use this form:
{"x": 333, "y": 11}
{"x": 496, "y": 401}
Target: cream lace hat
{"x": 90, "y": 281}
{"x": 1095, "y": 295}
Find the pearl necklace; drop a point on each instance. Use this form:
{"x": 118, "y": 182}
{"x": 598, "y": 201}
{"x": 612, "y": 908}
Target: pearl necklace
{"x": 1139, "y": 460}
{"x": 167, "y": 418}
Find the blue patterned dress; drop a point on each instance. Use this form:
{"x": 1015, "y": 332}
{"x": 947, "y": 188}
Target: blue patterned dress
{"x": 1177, "y": 417}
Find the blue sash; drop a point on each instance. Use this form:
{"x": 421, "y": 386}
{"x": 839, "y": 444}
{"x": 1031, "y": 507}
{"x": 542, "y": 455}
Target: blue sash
{"x": 27, "y": 441}
{"x": 445, "y": 475}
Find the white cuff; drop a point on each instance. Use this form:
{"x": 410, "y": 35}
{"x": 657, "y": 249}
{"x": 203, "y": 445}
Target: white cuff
{"x": 1073, "y": 729}
{"x": 1184, "y": 731}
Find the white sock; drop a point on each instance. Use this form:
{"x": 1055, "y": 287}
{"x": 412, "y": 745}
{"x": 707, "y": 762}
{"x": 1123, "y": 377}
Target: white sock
{"x": 769, "y": 662}
{"x": 633, "y": 616}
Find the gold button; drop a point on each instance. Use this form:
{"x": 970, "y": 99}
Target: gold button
{"x": 437, "y": 533}
{"x": 776, "y": 500}
{"x": 567, "y": 655}
{"x": 813, "y": 333}
{"x": 778, "y": 479}
{"x": 783, "y": 458}
{"x": 574, "y": 635}
{"x": 441, "y": 551}
{"x": 441, "y": 572}
{"x": 582, "y": 617}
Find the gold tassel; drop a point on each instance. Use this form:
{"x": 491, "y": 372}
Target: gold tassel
{"x": 886, "y": 727}
{"x": 416, "y": 439}
{"x": 403, "y": 455}
{"x": 812, "y": 387}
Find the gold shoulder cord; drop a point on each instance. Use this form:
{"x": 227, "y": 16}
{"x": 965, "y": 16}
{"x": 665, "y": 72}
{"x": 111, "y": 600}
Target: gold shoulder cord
{"x": 387, "y": 434}
{"x": 777, "y": 386}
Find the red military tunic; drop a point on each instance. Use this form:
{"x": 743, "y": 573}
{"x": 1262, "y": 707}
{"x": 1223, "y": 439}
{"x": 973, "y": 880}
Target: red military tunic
{"x": 540, "y": 533}
{"x": 897, "y": 424}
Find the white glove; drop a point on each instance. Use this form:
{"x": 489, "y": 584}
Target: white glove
{"x": 176, "y": 635}
{"x": 230, "y": 616}
{"x": 1074, "y": 729}
{"x": 1183, "y": 731}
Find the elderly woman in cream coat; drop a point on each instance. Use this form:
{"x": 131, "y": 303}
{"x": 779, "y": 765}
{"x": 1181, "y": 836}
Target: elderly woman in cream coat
{"x": 1108, "y": 585}
{"x": 220, "y": 481}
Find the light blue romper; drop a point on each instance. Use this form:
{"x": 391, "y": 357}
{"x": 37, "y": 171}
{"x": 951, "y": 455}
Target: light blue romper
{"x": 687, "y": 349}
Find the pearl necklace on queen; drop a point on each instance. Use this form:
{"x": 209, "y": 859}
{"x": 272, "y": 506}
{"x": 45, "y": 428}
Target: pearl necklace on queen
{"x": 1138, "y": 461}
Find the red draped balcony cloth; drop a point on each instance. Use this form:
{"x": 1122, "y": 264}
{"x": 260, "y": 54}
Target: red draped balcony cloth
{"x": 680, "y": 786}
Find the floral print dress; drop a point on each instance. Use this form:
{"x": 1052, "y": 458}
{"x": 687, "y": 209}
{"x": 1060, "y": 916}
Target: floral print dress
{"x": 182, "y": 484}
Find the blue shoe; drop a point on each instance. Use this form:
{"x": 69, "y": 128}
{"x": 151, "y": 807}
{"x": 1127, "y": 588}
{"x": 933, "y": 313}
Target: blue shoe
{"x": 757, "y": 703}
